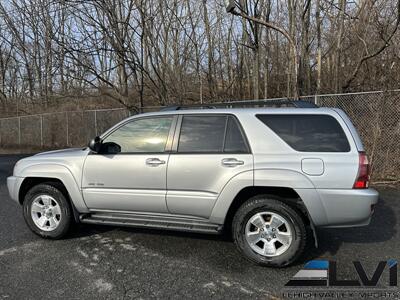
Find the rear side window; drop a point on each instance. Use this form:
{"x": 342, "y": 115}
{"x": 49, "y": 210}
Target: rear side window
{"x": 308, "y": 133}
{"x": 211, "y": 134}
{"x": 202, "y": 134}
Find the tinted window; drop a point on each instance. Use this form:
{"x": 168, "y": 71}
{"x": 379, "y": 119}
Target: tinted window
{"x": 308, "y": 133}
{"x": 202, "y": 134}
{"x": 145, "y": 135}
{"x": 234, "y": 140}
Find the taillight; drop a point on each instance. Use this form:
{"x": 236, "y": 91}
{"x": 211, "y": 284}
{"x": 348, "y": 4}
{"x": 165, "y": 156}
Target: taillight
{"x": 362, "y": 180}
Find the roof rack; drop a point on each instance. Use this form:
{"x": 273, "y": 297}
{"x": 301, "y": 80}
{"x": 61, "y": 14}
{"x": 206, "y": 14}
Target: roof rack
{"x": 247, "y": 103}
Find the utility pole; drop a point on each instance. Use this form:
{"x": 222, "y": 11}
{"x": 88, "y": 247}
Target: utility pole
{"x": 234, "y": 8}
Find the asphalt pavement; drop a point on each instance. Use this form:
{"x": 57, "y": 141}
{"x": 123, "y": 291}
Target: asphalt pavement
{"x": 101, "y": 262}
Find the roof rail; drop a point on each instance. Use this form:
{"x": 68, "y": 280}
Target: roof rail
{"x": 270, "y": 103}
{"x": 182, "y": 107}
{"x": 247, "y": 103}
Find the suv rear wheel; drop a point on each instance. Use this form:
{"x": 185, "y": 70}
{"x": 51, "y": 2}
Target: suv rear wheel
{"x": 47, "y": 211}
{"x": 269, "y": 232}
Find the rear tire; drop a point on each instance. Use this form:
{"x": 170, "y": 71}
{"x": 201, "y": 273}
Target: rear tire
{"x": 47, "y": 212}
{"x": 268, "y": 232}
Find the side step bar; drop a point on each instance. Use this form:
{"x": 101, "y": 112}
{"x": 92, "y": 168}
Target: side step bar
{"x": 156, "y": 222}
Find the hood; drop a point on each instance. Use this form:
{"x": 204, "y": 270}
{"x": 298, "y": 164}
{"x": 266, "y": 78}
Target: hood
{"x": 72, "y": 158}
{"x": 62, "y": 152}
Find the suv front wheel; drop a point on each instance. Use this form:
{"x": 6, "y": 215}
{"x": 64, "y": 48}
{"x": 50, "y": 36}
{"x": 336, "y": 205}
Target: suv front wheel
{"x": 47, "y": 211}
{"x": 269, "y": 232}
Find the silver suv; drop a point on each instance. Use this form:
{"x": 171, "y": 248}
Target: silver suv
{"x": 268, "y": 176}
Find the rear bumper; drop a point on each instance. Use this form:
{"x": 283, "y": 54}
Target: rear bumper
{"x": 348, "y": 208}
{"x": 13, "y": 185}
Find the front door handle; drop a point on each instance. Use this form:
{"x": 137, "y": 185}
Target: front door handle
{"x": 232, "y": 162}
{"x": 154, "y": 162}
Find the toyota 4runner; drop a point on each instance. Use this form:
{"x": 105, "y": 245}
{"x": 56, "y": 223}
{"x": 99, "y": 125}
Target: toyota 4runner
{"x": 268, "y": 176}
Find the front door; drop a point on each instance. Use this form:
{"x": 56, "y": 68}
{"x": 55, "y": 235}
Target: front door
{"x": 135, "y": 178}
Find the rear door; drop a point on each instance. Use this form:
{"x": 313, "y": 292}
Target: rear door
{"x": 208, "y": 151}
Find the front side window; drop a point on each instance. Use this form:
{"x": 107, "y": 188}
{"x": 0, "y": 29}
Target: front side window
{"x": 142, "y": 136}
{"x": 308, "y": 133}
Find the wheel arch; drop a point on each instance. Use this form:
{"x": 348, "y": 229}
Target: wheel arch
{"x": 57, "y": 173}
{"x": 285, "y": 194}
{"x": 30, "y": 182}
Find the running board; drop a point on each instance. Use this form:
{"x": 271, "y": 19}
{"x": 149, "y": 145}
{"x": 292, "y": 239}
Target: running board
{"x": 156, "y": 222}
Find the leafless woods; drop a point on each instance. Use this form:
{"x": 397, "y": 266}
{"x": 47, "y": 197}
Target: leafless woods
{"x": 156, "y": 52}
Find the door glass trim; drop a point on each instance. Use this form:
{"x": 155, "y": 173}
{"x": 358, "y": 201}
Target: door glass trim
{"x": 177, "y": 134}
{"x": 170, "y": 138}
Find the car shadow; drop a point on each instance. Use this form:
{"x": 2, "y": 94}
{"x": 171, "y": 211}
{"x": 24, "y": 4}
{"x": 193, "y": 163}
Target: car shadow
{"x": 382, "y": 228}
{"x": 85, "y": 230}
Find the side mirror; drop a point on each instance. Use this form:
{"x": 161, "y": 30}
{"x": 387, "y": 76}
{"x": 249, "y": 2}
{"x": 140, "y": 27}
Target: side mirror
{"x": 110, "y": 148}
{"x": 95, "y": 144}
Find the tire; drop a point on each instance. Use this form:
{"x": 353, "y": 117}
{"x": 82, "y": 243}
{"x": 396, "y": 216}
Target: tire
{"x": 252, "y": 241}
{"x": 46, "y": 204}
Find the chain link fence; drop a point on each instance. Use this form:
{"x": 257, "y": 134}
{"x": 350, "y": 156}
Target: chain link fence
{"x": 377, "y": 118}
{"x": 376, "y": 115}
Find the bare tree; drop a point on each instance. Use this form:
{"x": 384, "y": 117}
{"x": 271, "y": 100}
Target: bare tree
{"x": 137, "y": 53}
{"x": 239, "y": 10}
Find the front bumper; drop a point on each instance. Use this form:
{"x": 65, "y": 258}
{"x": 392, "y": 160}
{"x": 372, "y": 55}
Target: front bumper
{"x": 348, "y": 208}
{"x": 13, "y": 185}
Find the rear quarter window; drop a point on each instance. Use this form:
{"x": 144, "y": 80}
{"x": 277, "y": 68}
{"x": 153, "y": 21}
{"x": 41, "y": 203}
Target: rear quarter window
{"x": 308, "y": 133}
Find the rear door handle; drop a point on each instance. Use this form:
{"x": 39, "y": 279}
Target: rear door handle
{"x": 154, "y": 162}
{"x": 232, "y": 162}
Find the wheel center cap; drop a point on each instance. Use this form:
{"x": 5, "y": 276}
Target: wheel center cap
{"x": 266, "y": 232}
{"x": 48, "y": 212}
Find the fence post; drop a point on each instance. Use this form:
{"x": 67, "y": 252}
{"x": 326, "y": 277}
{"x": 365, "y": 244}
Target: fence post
{"x": 19, "y": 131}
{"x": 66, "y": 115}
{"x": 95, "y": 122}
{"x": 316, "y": 99}
{"x": 41, "y": 131}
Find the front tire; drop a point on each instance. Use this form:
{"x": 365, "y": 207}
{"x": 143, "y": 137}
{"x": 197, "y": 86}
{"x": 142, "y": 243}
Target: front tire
{"x": 268, "y": 232}
{"x": 47, "y": 212}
